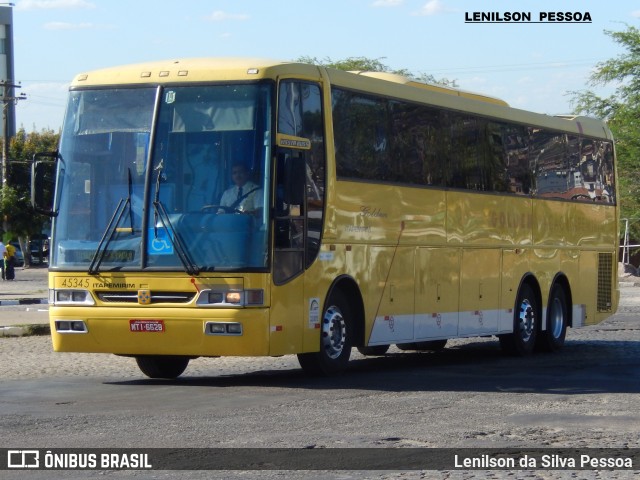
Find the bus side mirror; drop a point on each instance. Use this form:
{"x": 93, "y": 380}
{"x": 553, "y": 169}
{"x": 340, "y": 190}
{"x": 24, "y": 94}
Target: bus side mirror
{"x": 43, "y": 183}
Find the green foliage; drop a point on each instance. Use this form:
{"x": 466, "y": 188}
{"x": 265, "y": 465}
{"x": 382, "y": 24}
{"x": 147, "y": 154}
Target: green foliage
{"x": 364, "y": 64}
{"x": 19, "y": 219}
{"x": 622, "y": 111}
{"x": 24, "y": 145}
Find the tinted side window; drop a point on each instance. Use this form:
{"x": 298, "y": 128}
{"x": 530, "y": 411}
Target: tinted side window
{"x": 361, "y": 130}
{"x": 594, "y": 168}
{"x": 420, "y": 144}
{"x": 385, "y": 140}
{"x": 515, "y": 143}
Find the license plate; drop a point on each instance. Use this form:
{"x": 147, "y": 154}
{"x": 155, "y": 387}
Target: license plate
{"x": 146, "y": 325}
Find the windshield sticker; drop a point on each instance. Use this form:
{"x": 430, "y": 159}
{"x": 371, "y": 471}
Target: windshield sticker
{"x": 159, "y": 243}
{"x": 170, "y": 97}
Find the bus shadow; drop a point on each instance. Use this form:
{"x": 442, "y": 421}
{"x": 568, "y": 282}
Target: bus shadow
{"x": 580, "y": 368}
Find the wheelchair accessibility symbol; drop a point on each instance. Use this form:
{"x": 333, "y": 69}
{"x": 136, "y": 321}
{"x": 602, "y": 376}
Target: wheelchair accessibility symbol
{"x": 159, "y": 243}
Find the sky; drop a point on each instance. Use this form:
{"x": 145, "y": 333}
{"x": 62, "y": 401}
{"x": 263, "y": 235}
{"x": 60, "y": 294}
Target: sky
{"x": 531, "y": 66}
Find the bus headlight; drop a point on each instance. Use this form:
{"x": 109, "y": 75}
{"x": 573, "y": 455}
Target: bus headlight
{"x": 70, "y": 297}
{"x": 231, "y": 298}
{"x": 234, "y": 298}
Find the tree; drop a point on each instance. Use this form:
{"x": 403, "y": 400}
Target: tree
{"x": 364, "y": 64}
{"x": 622, "y": 112}
{"x": 20, "y": 221}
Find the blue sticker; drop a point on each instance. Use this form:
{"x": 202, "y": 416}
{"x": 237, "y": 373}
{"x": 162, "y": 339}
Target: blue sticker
{"x": 159, "y": 242}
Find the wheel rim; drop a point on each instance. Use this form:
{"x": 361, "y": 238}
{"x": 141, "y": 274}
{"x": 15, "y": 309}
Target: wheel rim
{"x": 556, "y": 318}
{"x": 334, "y": 332}
{"x": 527, "y": 320}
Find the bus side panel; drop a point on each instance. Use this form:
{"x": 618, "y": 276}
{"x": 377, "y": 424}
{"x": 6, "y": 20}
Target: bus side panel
{"x": 479, "y": 291}
{"x": 287, "y": 317}
{"x": 516, "y": 264}
{"x": 393, "y": 273}
{"x": 547, "y": 264}
{"x": 558, "y": 223}
{"x": 598, "y": 287}
{"x": 437, "y": 293}
{"x": 482, "y": 220}
{"x": 317, "y": 280}
{"x": 378, "y": 214}
{"x": 572, "y": 227}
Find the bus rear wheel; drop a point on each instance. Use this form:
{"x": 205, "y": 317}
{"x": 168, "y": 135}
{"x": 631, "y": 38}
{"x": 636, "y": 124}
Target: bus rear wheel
{"x": 156, "y": 366}
{"x": 336, "y": 339}
{"x": 526, "y": 319}
{"x": 552, "y": 339}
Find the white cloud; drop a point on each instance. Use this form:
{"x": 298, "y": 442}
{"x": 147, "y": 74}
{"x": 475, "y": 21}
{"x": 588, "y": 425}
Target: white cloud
{"x": 220, "y": 16}
{"x": 636, "y": 14}
{"x": 53, "y": 4}
{"x": 432, "y": 7}
{"x": 387, "y": 3}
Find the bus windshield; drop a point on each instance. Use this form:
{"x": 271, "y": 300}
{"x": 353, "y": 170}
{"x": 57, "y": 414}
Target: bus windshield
{"x": 164, "y": 178}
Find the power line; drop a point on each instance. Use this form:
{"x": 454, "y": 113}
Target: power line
{"x": 7, "y": 99}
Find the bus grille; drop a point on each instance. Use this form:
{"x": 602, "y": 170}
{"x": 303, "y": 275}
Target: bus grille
{"x": 605, "y": 272}
{"x": 156, "y": 297}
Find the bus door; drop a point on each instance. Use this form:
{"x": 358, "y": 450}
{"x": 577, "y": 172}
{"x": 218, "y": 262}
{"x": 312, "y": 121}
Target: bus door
{"x": 298, "y": 210}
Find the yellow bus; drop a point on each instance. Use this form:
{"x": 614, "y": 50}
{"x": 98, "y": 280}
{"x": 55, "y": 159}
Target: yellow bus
{"x": 214, "y": 207}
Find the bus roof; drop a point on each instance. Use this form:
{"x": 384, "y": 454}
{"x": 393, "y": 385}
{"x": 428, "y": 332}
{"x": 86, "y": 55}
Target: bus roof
{"x": 376, "y": 83}
{"x": 393, "y": 77}
{"x": 193, "y": 70}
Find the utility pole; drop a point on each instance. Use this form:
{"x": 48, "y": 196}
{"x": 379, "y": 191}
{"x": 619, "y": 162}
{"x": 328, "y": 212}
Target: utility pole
{"x": 7, "y": 98}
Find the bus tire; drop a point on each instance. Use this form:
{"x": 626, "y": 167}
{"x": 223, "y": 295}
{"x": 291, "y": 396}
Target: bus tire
{"x": 336, "y": 339}
{"x": 156, "y": 366}
{"x": 374, "y": 350}
{"x": 552, "y": 339}
{"x": 526, "y": 319}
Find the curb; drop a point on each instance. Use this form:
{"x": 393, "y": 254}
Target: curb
{"x": 24, "y": 301}
{"x": 25, "y": 330}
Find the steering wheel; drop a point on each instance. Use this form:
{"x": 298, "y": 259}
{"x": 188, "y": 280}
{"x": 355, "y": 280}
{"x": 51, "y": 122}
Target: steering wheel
{"x": 206, "y": 208}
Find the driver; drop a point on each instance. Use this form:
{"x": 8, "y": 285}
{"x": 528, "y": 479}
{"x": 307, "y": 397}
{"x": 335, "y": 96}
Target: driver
{"x": 244, "y": 196}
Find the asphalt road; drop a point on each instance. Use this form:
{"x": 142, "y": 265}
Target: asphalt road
{"x": 469, "y": 395}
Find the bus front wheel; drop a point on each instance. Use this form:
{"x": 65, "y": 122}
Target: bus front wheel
{"x": 155, "y": 366}
{"x": 336, "y": 339}
{"x": 526, "y": 319}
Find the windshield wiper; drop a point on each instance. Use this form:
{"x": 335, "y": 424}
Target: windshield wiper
{"x": 108, "y": 235}
{"x": 110, "y": 231}
{"x": 159, "y": 212}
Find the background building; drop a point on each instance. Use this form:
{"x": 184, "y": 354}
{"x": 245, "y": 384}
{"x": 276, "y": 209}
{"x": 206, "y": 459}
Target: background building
{"x": 6, "y": 69}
